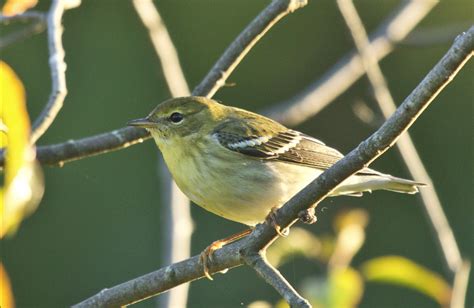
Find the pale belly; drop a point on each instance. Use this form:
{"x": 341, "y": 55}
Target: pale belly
{"x": 246, "y": 189}
{"x": 236, "y": 191}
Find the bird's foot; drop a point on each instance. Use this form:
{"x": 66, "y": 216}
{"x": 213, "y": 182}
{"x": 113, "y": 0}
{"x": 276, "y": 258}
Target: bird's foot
{"x": 206, "y": 256}
{"x": 308, "y": 216}
{"x": 272, "y": 219}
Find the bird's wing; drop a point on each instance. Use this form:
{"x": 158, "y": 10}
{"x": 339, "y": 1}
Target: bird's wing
{"x": 275, "y": 142}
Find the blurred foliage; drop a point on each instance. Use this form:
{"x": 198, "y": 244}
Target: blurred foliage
{"x": 342, "y": 286}
{"x": 404, "y": 272}
{"x": 23, "y": 183}
{"x": 6, "y": 294}
{"x": 104, "y": 214}
{"x": 13, "y": 7}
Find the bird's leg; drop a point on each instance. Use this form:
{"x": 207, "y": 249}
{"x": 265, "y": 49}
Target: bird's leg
{"x": 272, "y": 218}
{"x": 206, "y": 255}
{"x": 308, "y": 216}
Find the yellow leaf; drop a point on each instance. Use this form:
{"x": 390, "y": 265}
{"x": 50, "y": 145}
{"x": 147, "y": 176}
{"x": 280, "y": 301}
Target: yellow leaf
{"x": 23, "y": 183}
{"x": 404, "y": 272}
{"x": 13, "y": 7}
{"x": 341, "y": 288}
{"x": 298, "y": 243}
{"x": 6, "y": 294}
{"x": 345, "y": 288}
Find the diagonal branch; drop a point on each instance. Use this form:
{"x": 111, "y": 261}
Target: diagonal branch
{"x": 38, "y": 25}
{"x": 367, "y": 151}
{"x": 164, "y": 47}
{"x": 349, "y": 69}
{"x": 58, "y": 154}
{"x": 243, "y": 43}
{"x": 270, "y": 274}
{"x": 58, "y": 71}
{"x": 178, "y": 224}
{"x": 411, "y": 158}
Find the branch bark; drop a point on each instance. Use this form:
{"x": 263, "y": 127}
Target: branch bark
{"x": 178, "y": 224}
{"x": 367, "y": 151}
{"x": 349, "y": 69}
{"x": 58, "y": 71}
{"x": 38, "y": 24}
{"x": 58, "y": 154}
{"x": 432, "y": 205}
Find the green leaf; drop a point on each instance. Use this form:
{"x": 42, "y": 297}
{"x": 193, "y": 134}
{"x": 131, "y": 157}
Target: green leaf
{"x": 404, "y": 272}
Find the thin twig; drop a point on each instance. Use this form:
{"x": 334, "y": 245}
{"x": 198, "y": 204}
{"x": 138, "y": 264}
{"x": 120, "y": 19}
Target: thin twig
{"x": 178, "y": 224}
{"x": 443, "y": 232}
{"x": 244, "y": 42}
{"x": 164, "y": 47}
{"x": 38, "y": 24}
{"x": 61, "y": 153}
{"x": 230, "y": 256}
{"x": 271, "y": 275}
{"x": 349, "y": 69}
{"x": 58, "y": 71}
{"x": 23, "y": 17}
{"x": 461, "y": 281}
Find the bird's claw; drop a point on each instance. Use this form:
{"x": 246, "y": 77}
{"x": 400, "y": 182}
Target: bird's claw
{"x": 272, "y": 218}
{"x": 206, "y": 257}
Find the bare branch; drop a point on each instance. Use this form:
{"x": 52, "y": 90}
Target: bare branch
{"x": 272, "y": 276}
{"x": 461, "y": 281}
{"x": 216, "y": 78}
{"x": 106, "y": 142}
{"x": 38, "y": 24}
{"x": 411, "y": 158}
{"x": 58, "y": 71}
{"x": 164, "y": 47}
{"x": 230, "y": 256}
{"x": 61, "y": 153}
{"x": 178, "y": 224}
{"x": 163, "y": 279}
{"x": 349, "y": 69}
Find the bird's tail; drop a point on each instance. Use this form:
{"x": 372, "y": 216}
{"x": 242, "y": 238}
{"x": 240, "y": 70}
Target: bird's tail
{"x": 356, "y": 185}
{"x": 401, "y": 185}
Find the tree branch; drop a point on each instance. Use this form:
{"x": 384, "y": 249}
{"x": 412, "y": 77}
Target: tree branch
{"x": 271, "y": 275}
{"x": 216, "y": 78}
{"x": 38, "y": 25}
{"x": 461, "y": 281}
{"x": 58, "y": 154}
{"x": 164, "y": 47}
{"x": 178, "y": 224}
{"x": 58, "y": 71}
{"x": 367, "y": 151}
{"x": 442, "y": 231}
{"x": 349, "y": 69}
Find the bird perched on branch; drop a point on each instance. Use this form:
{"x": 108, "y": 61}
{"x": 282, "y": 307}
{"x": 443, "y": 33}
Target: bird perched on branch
{"x": 241, "y": 165}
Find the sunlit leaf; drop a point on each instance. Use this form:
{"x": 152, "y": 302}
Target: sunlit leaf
{"x": 13, "y": 7}
{"x": 6, "y": 294}
{"x": 298, "y": 242}
{"x": 341, "y": 288}
{"x": 345, "y": 288}
{"x": 350, "y": 228}
{"x": 259, "y": 304}
{"x": 404, "y": 272}
{"x": 23, "y": 180}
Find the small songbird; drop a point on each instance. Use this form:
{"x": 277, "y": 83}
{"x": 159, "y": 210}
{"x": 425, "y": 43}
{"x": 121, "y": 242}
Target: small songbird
{"x": 241, "y": 165}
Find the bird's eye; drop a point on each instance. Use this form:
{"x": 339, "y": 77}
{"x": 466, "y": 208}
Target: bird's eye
{"x": 176, "y": 117}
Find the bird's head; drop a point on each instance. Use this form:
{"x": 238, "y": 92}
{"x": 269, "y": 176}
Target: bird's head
{"x": 181, "y": 118}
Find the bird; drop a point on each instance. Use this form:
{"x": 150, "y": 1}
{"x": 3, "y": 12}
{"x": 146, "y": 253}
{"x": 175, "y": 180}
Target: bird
{"x": 241, "y": 165}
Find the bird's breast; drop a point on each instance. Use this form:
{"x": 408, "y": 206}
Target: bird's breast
{"x": 231, "y": 184}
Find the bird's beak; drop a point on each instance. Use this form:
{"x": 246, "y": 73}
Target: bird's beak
{"x": 145, "y": 123}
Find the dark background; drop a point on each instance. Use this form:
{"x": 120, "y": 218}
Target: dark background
{"x": 100, "y": 221}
